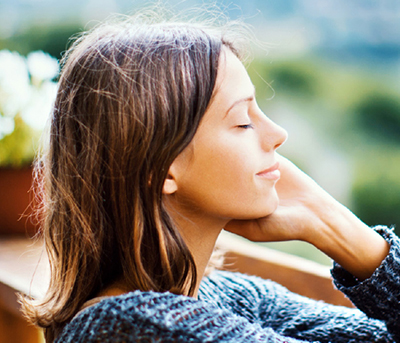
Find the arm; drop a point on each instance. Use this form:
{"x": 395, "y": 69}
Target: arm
{"x": 379, "y": 295}
{"x": 306, "y": 212}
{"x": 289, "y": 314}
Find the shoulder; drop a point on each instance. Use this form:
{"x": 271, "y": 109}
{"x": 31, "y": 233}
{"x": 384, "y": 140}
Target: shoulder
{"x": 239, "y": 285}
{"x": 153, "y": 316}
{"x": 130, "y": 317}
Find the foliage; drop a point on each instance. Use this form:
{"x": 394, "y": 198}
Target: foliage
{"x": 378, "y": 202}
{"x": 27, "y": 92}
{"x": 379, "y": 115}
{"x": 19, "y": 148}
{"x": 53, "y": 40}
{"x": 376, "y": 190}
{"x": 292, "y": 79}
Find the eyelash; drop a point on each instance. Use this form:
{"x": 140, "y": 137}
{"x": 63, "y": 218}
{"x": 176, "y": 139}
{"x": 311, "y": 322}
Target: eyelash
{"x": 247, "y": 126}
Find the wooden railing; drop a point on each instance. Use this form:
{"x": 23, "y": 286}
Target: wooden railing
{"x": 297, "y": 274}
{"x": 21, "y": 271}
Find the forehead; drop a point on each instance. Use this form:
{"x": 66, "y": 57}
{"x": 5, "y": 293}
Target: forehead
{"x": 233, "y": 81}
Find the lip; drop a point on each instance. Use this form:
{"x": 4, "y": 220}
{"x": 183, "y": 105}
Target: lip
{"x": 272, "y": 173}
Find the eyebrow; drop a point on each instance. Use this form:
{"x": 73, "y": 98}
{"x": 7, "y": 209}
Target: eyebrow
{"x": 237, "y": 102}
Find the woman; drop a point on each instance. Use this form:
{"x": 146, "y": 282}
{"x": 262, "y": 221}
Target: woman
{"x": 156, "y": 144}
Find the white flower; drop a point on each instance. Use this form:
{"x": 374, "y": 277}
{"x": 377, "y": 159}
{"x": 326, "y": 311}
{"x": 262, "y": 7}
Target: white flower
{"x": 14, "y": 83}
{"x": 30, "y": 97}
{"x": 40, "y": 105}
{"x": 42, "y": 66}
{"x": 6, "y": 126}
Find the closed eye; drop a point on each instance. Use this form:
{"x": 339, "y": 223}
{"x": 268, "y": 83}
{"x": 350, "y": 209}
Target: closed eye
{"x": 246, "y": 126}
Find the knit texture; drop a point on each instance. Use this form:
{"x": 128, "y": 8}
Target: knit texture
{"x": 233, "y": 307}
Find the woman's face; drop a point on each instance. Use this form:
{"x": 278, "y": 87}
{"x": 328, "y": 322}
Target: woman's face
{"x": 229, "y": 170}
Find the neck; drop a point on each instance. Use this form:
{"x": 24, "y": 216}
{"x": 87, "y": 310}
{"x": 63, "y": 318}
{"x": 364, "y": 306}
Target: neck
{"x": 200, "y": 234}
{"x": 201, "y": 248}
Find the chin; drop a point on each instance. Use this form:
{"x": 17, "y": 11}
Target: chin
{"x": 265, "y": 209}
{"x": 272, "y": 205}
{"x": 271, "y": 209}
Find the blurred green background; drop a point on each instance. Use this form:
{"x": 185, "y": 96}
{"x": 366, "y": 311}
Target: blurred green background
{"x": 330, "y": 76}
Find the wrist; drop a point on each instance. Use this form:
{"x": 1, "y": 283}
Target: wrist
{"x": 346, "y": 239}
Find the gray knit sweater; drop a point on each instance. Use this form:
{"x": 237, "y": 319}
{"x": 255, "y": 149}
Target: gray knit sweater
{"x": 233, "y": 307}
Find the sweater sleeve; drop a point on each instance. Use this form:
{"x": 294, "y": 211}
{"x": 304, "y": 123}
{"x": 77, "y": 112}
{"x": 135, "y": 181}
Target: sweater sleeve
{"x": 379, "y": 295}
{"x": 291, "y": 315}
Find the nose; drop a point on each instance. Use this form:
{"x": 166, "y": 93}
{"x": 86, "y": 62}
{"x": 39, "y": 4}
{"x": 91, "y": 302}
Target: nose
{"x": 273, "y": 135}
{"x": 281, "y": 135}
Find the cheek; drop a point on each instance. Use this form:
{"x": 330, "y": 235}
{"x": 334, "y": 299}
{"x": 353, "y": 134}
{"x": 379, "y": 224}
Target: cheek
{"x": 223, "y": 183}
{"x": 226, "y": 168}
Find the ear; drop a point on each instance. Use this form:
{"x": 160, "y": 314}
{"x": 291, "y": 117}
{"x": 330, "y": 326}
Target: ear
{"x": 176, "y": 172}
{"x": 170, "y": 186}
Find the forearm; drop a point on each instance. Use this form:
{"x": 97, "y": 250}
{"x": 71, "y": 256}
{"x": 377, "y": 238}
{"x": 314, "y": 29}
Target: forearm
{"x": 348, "y": 241}
{"x": 307, "y": 212}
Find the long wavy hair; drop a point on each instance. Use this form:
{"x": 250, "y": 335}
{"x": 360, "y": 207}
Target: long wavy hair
{"x": 131, "y": 96}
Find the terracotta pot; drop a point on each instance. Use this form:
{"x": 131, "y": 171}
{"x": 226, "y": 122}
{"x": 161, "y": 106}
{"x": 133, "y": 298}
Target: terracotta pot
{"x": 16, "y": 201}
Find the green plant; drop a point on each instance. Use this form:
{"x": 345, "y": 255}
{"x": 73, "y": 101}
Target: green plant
{"x": 376, "y": 192}
{"x": 27, "y": 92}
{"x": 52, "y": 39}
{"x": 380, "y": 116}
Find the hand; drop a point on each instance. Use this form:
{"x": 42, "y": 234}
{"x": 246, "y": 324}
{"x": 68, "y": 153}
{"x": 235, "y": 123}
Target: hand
{"x": 307, "y": 212}
{"x": 302, "y": 204}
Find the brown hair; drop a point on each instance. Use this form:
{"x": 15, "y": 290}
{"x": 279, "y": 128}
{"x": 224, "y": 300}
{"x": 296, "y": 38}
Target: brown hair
{"x": 131, "y": 96}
